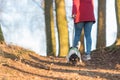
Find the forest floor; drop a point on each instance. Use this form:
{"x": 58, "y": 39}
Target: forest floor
{"x": 17, "y": 63}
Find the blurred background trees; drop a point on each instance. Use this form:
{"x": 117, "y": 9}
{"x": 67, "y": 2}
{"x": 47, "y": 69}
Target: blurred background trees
{"x": 59, "y": 21}
{"x": 62, "y": 27}
{"x": 101, "y": 30}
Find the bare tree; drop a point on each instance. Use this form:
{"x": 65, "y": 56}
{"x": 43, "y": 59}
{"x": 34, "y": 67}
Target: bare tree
{"x": 82, "y": 48}
{"x": 117, "y": 6}
{"x": 62, "y": 27}
{"x": 50, "y": 32}
{"x": 1, "y": 35}
{"x": 101, "y": 35}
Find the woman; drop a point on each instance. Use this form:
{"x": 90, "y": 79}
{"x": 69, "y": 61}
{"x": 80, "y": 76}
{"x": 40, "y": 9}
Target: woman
{"x": 83, "y": 14}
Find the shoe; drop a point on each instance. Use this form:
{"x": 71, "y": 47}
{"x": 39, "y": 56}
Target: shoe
{"x": 86, "y": 57}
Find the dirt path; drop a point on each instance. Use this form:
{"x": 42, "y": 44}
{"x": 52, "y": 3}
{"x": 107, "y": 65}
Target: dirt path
{"x": 103, "y": 66}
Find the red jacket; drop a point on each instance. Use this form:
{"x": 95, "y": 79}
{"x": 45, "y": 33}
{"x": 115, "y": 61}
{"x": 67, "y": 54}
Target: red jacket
{"x": 83, "y": 10}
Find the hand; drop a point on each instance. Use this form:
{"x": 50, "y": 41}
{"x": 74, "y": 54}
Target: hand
{"x": 73, "y": 16}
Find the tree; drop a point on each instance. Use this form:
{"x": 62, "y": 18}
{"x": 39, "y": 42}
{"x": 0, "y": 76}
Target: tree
{"x": 50, "y": 33}
{"x": 1, "y": 35}
{"x": 117, "y": 6}
{"x": 101, "y": 35}
{"x": 62, "y": 27}
{"x": 82, "y": 49}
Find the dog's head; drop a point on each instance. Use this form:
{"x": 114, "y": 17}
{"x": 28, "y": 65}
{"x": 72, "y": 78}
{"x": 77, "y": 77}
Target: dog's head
{"x": 74, "y": 59}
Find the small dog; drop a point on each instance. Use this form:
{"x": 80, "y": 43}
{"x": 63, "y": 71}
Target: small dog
{"x": 74, "y": 55}
{"x": 74, "y": 59}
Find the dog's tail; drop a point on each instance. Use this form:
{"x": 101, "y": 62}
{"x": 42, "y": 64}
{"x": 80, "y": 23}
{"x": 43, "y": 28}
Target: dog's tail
{"x": 79, "y": 44}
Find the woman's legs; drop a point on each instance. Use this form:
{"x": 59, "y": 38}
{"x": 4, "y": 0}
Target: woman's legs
{"x": 78, "y": 30}
{"x": 87, "y": 31}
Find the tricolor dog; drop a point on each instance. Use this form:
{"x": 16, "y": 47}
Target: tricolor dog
{"x": 74, "y": 55}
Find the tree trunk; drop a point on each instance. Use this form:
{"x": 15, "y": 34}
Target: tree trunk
{"x": 62, "y": 27}
{"x": 82, "y": 48}
{"x": 1, "y": 35}
{"x": 50, "y": 32}
{"x": 101, "y": 35}
{"x": 117, "y": 6}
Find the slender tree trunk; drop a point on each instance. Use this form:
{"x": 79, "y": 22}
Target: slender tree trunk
{"x": 62, "y": 27}
{"x": 50, "y": 33}
{"x": 1, "y": 35}
{"x": 82, "y": 48}
{"x": 101, "y": 35}
{"x": 117, "y": 6}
